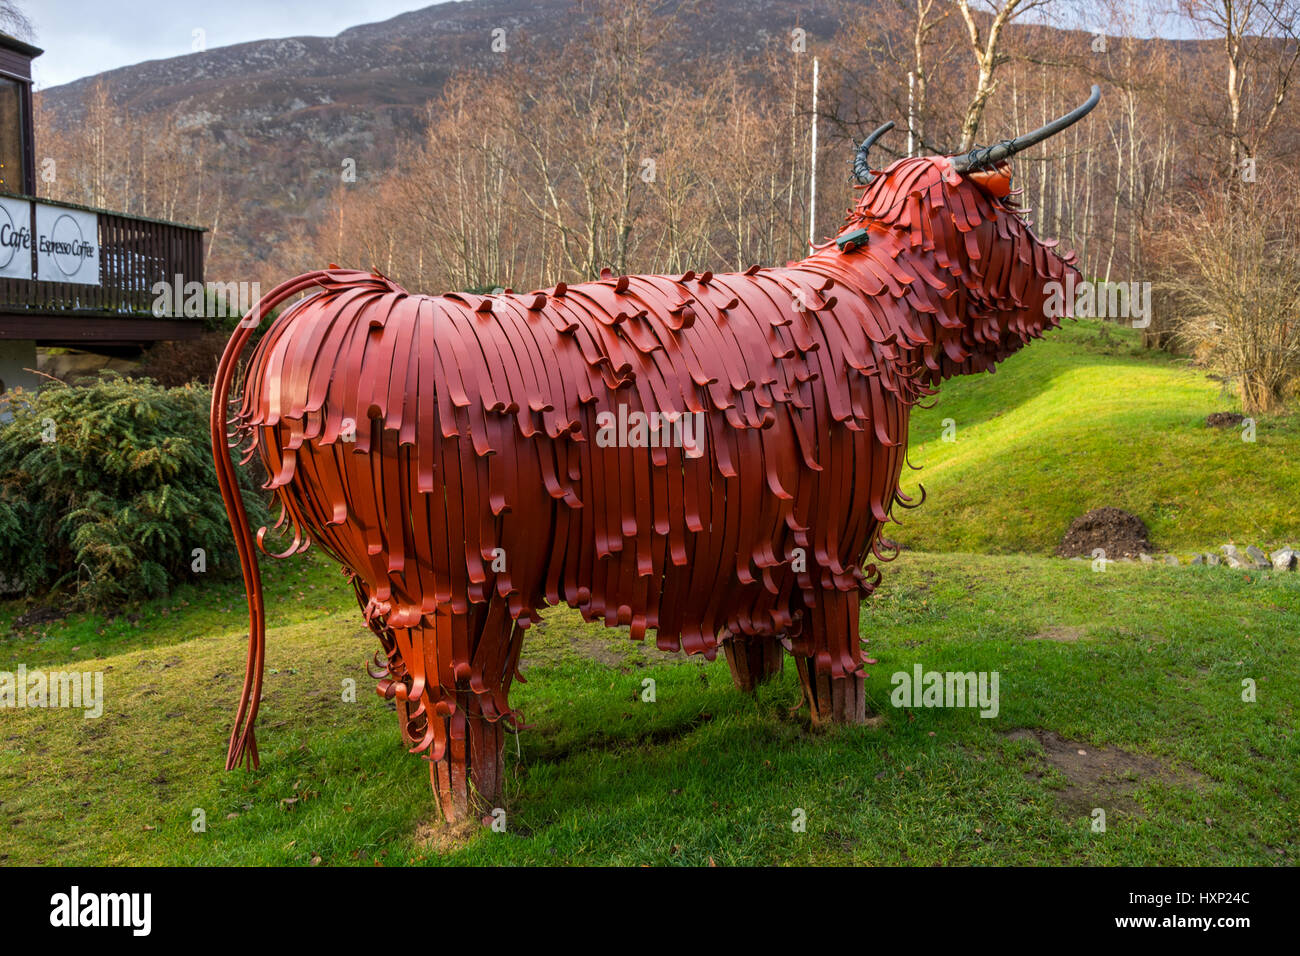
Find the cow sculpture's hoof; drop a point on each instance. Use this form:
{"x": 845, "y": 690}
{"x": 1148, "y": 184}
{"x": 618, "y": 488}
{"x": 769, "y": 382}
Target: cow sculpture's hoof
{"x": 832, "y": 700}
{"x": 469, "y": 779}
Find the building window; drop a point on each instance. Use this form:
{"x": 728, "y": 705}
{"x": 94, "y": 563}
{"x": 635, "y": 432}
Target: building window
{"x": 11, "y": 136}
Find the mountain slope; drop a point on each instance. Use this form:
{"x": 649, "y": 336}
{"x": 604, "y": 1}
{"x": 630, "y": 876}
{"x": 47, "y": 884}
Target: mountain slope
{"x": 285, "y": 113}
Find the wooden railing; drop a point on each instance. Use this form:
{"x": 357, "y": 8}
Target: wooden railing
{"x": 135, "y": 254}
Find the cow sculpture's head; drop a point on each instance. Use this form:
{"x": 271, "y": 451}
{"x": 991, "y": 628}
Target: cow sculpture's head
{"x": 983, "y": 284}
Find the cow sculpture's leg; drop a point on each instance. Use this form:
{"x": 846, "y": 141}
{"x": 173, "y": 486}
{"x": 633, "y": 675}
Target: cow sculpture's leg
{"x": 404, "y": 721}
{"x": 753, "y": 659}
{"x": 833, "y": 624}
{"x": 832, "y": 700}
{"x": 468, "y": 779}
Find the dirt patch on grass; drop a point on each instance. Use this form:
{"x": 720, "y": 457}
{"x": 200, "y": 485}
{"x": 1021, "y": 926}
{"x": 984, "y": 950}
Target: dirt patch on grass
{"x": 1103, "y": 777}
{"x": 41, "y": 614}
{"x": 1118, "y": 533}
{"x": 440, "y": 836}
{"x": 613, "y": 646}
{"x": 1063, "y": 635}
{"x": 598, "y": 647}
{"x": 1224, "y": 419}
{"x": 609, "y": 646}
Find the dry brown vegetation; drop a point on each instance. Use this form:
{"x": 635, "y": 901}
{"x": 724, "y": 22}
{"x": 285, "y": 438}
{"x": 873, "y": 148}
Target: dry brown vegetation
{"x": 1238, "y": 286}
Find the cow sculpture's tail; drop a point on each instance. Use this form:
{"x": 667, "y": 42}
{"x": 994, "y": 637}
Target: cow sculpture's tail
{"x": 243, "y": 745}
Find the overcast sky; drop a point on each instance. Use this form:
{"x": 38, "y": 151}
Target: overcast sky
{"x": 82, "y": 37}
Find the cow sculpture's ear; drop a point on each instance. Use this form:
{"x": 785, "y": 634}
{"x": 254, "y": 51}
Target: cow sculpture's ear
{"x": 995, "y": 181}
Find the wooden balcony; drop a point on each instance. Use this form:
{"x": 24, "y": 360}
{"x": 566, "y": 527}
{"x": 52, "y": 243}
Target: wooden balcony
{"x": 118, "y": 310}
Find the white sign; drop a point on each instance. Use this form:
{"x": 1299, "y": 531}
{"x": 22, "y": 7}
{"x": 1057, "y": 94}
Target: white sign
{"x": 15, "y": 238}
{"x": 67, "y": 245}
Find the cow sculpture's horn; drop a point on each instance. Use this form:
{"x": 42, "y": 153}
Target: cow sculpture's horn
{"x": 861, "y": 165}
{"x": 985, "y": 156}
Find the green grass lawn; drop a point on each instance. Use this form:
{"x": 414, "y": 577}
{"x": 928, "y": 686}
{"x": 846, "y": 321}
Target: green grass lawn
{"x": 1119, "y": 690}
{"x": 1086, "y": 418}
{"x": 1139, "y": 666}
{"x": 306, "y": 590}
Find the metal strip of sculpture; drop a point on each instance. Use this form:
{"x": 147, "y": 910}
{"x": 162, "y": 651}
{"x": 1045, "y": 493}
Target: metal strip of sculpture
{"x": 712, "y": 457}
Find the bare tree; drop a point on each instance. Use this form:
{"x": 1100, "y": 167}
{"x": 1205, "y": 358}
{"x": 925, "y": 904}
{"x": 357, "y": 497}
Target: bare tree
{"x": 899, "y": 61}
{"x": 986, "y": 45}
{"x": 926, "y": 24}
{"x": 1260, "y": 46}
{"x": 14, "y": 21}
{"x": 1236, "y": 278}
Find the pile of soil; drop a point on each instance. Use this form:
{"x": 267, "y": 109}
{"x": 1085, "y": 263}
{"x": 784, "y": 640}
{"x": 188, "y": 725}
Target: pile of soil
{"x": 1224, "y": 419}
{"x": 1118, "y": 533}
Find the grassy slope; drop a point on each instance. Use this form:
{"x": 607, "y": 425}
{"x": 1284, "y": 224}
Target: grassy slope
{"x": 705, "y": 772}
{"x": 1085, "y": 418}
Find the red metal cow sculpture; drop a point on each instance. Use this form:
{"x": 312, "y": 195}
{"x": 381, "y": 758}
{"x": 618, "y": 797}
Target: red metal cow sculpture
{"x": 708, "y": 456}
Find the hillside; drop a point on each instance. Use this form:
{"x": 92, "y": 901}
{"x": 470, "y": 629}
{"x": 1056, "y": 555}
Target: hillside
{"x": 1086, "y": 418}
{"x": 281, "y": 115}
{"x": 286, "y": 111}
